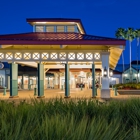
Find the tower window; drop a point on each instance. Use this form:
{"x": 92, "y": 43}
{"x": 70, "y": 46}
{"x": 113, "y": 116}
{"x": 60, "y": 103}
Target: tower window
{"x": 39, "y": 28}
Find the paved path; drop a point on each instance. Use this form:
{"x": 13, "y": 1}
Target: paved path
{"x": 56, "y": 93}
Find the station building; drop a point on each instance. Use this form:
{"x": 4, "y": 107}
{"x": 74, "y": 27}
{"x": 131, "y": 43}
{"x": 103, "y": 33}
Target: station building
{"x": 58, "y": 54}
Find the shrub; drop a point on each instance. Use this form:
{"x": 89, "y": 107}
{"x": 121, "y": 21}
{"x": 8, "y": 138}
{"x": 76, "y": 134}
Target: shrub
{"x": 77, "y": 119}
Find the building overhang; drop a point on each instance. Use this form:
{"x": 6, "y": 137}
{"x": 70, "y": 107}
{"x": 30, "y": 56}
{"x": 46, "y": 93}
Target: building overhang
{"x": 70, "y": 41}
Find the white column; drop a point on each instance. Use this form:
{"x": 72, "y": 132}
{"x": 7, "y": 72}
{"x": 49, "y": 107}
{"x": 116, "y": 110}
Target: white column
{"x": 105, "y": 91}
{"x": 45, "y": 83}
{"x": 55, "y": 80}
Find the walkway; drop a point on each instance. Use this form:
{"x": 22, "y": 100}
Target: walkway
{"x": 56, "y": 93}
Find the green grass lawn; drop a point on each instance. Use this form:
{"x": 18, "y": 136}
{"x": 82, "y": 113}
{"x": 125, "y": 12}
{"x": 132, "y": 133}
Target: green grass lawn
{"x": 61, "y": 119}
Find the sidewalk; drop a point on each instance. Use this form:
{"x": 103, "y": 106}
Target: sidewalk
{"x": 56, "y": 93}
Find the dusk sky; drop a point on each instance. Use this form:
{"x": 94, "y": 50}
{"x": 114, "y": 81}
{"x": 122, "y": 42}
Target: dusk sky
{"x": 99, "y": 17}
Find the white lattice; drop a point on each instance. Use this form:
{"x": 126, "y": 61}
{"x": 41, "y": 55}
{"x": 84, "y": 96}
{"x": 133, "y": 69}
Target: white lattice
{"x": 1, "y": 55}
{"x": 97, "y": 56}
{"x": 36, "y": 56}
{"x": 62, "y": 55}
{"x": 89, "y": 56}
{"x": 71, "y": 56}
{"x": 9, "y": 56}
{"x": 53, "y": 55}
{"x": 45, "y": 56}
{"x": 80, "y": 56}
{"x": 27, "y": 56}
{"x": 18, "y": 56}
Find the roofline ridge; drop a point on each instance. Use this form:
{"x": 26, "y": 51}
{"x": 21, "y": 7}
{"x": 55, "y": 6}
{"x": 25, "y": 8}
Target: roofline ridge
{"x": 16, "y": 34}
{"x": 104, "y": 37}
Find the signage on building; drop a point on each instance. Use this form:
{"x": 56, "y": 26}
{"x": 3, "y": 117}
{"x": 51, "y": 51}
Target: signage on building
{"x": 1, "y": 65}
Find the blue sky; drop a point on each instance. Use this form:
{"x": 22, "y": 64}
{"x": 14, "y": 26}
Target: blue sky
{"x": 99, "y": 17}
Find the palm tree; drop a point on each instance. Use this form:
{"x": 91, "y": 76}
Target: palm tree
{"x": 120, "y": 33}
{"x": 129, "y": 35}
{"x": 137, "y": 35}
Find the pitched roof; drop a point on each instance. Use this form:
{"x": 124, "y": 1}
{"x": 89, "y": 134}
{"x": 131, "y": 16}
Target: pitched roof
{"x": 53, "y": 19}
{"x": 57, "y": 39}
{"x": 135, "y": 62}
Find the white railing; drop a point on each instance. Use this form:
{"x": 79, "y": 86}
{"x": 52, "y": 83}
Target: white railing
{"x": 50, "y": 56}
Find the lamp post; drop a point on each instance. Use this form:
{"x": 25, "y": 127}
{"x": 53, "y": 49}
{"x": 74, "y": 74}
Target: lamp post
{"x": 105, "y": 72}
{"x": 131, "y": 73}
{"x": 111, "y": 73}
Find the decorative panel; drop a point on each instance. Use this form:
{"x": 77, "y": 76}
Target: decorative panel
{"x": 53, "y": 56}
{"x": 45, "y": 56}
{"x": 89, "y": 56}
{"x": 1, "y": 56}
{"x": 36, "y": 56}
{"x": 71, "y": 56}
{"x": 27, "y": 56}
{"x": 80, "y": 56}
{"x": 62, "y": 55}
{"x": 18, "y": 56}
{"x": 9, "y": 56}
{"x": 97, "y": 56}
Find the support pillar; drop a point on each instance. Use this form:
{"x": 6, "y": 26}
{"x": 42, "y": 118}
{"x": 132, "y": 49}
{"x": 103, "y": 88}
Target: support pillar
{"x": 13, "y": 80}
{"x": 40, "y": 81}
{"x": 105, "y": 91}
{"x": 56, "y": 81}
{"x": 93, "y": 81}
{"x": 67, "y": 88}
{"x": 45, "y": 83}
{"x": 22, "y": 82}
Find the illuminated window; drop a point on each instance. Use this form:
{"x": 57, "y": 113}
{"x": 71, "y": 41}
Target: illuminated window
{"x": 18, "y": 56}
{"x": 45, "y": 56}
{"x": 71, "y": 56}
{"x": 97, "y": 56}
{"x": 39, "y": 28}
{"x": 36, "y": 56}
{"x": 70, "y": 28}
{"x": 89, "y": 56}
{"x": 80, "y": 56}
{"x": 1, "y": 55}
{"x": 9, "y": 56}
{"x": 53, "y": 55}
{"x": 62, "y": 55}
{"x": 60, "y": 28}
{"x": 27, "y": 56}
{"x": 49, "y": 28}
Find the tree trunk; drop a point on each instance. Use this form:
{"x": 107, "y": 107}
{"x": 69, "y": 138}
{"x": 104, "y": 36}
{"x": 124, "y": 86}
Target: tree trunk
{"x": 130, "y": 60}
{"x": 123, "y": 64}
{"x": 137, "y": 58}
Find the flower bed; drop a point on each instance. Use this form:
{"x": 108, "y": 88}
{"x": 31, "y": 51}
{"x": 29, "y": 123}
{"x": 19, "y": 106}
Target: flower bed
{"x": 128, "y": 86}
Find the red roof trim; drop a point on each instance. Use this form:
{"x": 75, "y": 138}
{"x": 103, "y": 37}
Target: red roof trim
{"x": 52, "y": 20}
{"x": 58, "y": 42}
{"x": 57, "y": 39}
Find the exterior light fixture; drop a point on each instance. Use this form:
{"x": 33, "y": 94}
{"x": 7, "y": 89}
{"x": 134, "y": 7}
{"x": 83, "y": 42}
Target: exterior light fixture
{"x": 63, "y": 62}
{"x": 131, "y": 72}
{"x": 111, "y": 73}
{"x": 63, "y": 46}
{"x": 1, "y": 65}
{"x": 105, "y": 72}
